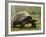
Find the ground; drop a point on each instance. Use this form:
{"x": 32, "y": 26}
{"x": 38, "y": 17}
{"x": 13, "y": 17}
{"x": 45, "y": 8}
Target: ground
{"x": 35, "y": 12}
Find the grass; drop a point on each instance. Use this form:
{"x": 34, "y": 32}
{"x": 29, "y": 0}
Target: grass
{"x": 35, "y": 12}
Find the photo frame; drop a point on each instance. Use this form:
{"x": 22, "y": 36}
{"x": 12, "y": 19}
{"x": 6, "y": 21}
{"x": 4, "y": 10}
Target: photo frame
{"x": 12, "y": 6}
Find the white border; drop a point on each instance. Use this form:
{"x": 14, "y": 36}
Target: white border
{"x": 21, "y": 32}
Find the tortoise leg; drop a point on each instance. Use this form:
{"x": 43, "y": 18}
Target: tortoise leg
{"x": 33, "y": 24}
{"x": 14, "y": 24}
{"x": 22, "y": 24}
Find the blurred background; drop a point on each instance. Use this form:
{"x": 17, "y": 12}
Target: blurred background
{"x": 20, "y": 12}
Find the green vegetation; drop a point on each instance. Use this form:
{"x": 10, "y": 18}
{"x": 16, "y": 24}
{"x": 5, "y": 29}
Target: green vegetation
{"x": 35, "y": 13}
